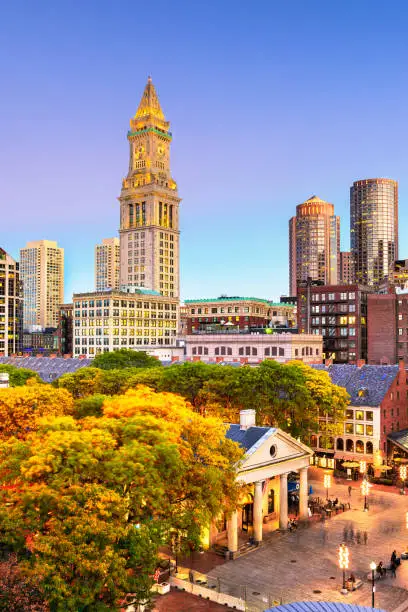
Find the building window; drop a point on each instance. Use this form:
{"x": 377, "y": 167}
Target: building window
{"x": 271, "y": 501}
{"x": 360, "y": 429}
{"x": 369, "y": 430}
{"x": 359, "y": 446}
{"x": 369, "y": 448}
{"x": 349, "y": 446}
{"x": 349, "y": 428}
{"x": 340, "y": 444}
{"x": 359, "y": 415}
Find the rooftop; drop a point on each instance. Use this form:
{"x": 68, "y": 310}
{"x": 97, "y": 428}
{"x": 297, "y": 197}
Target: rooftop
{"x": 236, "y": 298}
{"x": 367, "y": 385}
{"x": 246, "y": 437}
{"x": 321, "y": 606}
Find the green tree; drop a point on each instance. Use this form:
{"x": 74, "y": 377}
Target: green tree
{"x": 125, "y": 358}
{"x": 19, "y": 376}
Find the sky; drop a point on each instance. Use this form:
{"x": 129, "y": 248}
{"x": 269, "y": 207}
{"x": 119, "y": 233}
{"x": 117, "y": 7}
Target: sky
{"x": 269, "y": 101}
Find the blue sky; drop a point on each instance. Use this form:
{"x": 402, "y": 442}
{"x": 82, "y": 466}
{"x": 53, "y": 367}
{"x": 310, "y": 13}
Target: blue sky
{"x": 269, "y": 103}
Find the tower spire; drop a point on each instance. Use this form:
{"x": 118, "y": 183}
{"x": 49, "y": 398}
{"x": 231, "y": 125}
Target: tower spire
{"x": 149, "y": 106}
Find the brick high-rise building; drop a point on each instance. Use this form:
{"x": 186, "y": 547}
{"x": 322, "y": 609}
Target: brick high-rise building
{"x": 42, "y": 275}
{"x": 388, "y": 328}
{"x": 314, "y": 244}
{"x": 149, "y": 223}
{"x": 107, "y": 264}
{"x": 339, "y": 314}
{"x": 346, "y": 268}
{"x": 11, "y": 306}
{"x": 373, "y": 229}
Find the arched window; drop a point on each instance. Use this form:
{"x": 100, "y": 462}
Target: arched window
{"x": 303, "y": 351}
{"x": 247, "y": 350}
{"x": 340, "y": 444}
{"x": 267, "y": 352}
{"x": 313, "y": 441}
{"x": 241, "y": 350}
{"x": 359, "y": 446}
{"x": 274, "y": 351}
{"x": 223, "y": 350}
{"x": 369, "y": 448}
{"x": 350, "y": 446}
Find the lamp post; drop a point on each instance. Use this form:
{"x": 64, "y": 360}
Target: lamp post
{"x": 372, "y": 568}
{"x": 327, "y": 484}
{"x": 365, "y": 489}
{"x": 403, "y": 476}
{"x": 343, "y": 564}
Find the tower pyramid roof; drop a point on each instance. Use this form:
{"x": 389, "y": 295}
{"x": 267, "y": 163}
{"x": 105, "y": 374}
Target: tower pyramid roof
{"x": 149, "y": 104}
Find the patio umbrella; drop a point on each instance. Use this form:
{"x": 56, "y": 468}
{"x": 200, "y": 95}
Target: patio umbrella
{"x": 385, "y": 468}
{"x": 351, "y": 464}
{"x": 400, "y": 460}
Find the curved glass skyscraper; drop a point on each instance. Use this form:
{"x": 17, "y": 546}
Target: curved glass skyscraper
{"x": 373, "y": 228}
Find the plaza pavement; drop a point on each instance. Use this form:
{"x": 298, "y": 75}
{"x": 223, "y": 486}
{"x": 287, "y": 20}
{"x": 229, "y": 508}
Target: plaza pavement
{"x": 304, "y": 565}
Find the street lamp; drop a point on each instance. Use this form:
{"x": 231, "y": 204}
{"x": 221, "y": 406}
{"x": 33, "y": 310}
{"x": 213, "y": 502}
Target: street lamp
{"x": 365, "y": 489}
{"x": 403, "y": 476}
{"x": 372, "y": 568}
{"x": 343, "y": 564}
{"x": 363, "y": 467}
{"x": 327, "y": 484}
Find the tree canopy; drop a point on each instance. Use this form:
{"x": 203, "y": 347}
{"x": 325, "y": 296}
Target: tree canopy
{"x": 19, "y": 376}
{"x": 125, "y": 358}
{"x": 91, "y": 499}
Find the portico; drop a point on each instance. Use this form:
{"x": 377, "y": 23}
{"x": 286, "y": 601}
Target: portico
{"x": 271, "y": 454}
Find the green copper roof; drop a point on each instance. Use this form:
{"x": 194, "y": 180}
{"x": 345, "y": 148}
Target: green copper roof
{"x": 237, "y": 299}
{"x": 167, "y": 135}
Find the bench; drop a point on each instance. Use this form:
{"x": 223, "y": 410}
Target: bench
{"x": 353, "y": 586}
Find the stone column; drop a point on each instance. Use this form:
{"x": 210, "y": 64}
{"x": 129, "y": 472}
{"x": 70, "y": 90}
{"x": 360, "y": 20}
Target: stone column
{"x": 232, "y": 532}
{"x": 303, "y": 494}
{"x": 283, "y": 502}
{"x": 258, "y": 498}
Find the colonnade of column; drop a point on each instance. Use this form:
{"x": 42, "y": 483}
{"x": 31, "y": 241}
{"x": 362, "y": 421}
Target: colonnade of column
{"x": 232, "y": 525}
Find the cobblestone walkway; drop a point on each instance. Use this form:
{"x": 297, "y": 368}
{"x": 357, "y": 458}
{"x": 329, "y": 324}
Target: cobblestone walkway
{"x": 304, "y": 565}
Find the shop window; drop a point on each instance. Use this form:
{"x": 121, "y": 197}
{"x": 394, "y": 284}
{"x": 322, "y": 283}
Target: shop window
{"x": 349, "y": 446}
{"x": 359, "y": 446}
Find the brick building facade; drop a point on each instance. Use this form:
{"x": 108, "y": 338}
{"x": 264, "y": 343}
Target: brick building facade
{"x": 387, "y": 328}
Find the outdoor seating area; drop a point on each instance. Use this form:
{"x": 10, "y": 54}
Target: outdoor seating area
{"x": 325, "y": 508}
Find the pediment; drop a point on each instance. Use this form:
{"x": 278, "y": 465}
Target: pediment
{"x": 275, "y": 448}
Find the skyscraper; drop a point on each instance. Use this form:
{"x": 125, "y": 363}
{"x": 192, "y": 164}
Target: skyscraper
{"x": 42, "y": 276}
{"x": 373, "y": 228}
{"x": 149, "y": 223}
{"x": 107, "y": 264}
{"x": 346, "y": 268}
{"x": 11, "y": 302}
{"x": 314, "y": 244}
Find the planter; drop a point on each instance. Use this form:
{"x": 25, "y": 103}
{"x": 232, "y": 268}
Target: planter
{"x": 163, "y": 588}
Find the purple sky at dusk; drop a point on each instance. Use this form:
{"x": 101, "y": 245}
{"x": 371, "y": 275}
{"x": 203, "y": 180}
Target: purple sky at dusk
{"x": 269, "y": 102}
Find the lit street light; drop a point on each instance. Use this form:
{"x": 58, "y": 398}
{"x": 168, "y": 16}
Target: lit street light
{"x": 343, "y": 564}
{"x": 372, "y": 568}
{"x": 365, "y": 489}
{"x": 327, "y": 484}
{"x": 403, "y": 476}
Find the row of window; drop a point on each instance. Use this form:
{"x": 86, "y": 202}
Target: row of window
{"x": 321, "y": 297}
{"x": 348, "y": 445}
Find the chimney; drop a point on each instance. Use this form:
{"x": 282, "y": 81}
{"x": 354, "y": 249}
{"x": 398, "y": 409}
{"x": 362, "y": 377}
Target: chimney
{"x": 360, "y": 363}
{"x": 247, "y": 419}
{"x": 4, "y": 380}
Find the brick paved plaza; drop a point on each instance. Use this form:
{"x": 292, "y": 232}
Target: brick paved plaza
{"x": 304, "y": 565}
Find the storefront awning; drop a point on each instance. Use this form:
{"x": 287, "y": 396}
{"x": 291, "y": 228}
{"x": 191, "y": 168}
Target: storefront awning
{"x": 354, "y": 457}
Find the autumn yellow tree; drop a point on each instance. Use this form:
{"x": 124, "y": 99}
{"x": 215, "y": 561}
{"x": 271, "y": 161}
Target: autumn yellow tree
{"x": 22, "y": 408}
{"x": 92, "y": 499}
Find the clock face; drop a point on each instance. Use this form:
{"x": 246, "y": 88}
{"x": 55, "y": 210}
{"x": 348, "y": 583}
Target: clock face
{"x": 160, "y": 150}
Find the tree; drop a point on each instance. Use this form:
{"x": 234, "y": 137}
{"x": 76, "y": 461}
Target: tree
{"x": 22, "y": 408}
{"x": 125, "y": 358}
{"x": 92, "y": 499}
{"x": 19, "y": 376}
{"x": 15, "y": 593}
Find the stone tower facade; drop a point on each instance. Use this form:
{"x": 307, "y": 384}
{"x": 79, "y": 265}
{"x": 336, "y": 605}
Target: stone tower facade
{"x": 149, "y": 204}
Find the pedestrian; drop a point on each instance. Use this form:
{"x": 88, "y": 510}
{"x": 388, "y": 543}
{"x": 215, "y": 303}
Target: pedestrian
{"x": 365, "y": 538}
{"x": 345, "y": 534}
{"x": 393, "y": 568}
{"x": 358, "y": 537}
{"x": 349, "y": 490}
{"x": 351, "y": 534}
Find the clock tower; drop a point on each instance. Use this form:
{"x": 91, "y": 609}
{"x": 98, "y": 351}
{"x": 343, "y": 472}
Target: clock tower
{"x": 149, "y": 203}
